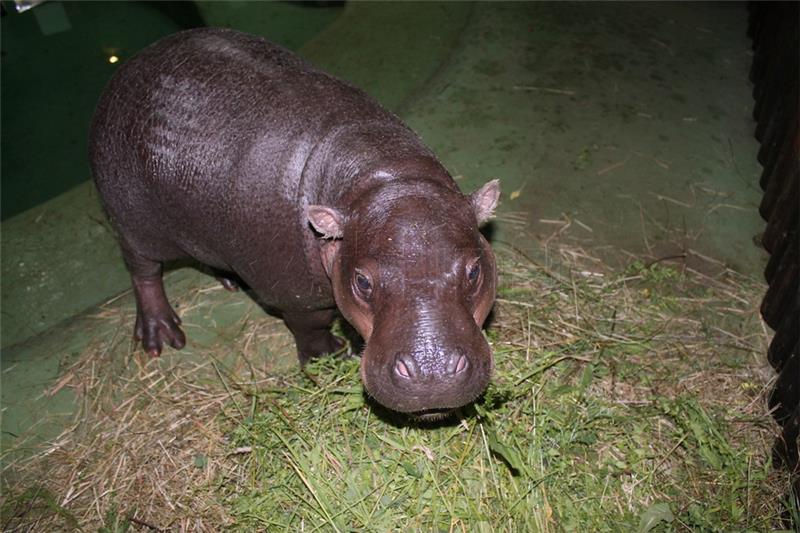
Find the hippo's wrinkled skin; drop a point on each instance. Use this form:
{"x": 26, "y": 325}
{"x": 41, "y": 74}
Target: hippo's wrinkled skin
{"x": 222, "y": 147}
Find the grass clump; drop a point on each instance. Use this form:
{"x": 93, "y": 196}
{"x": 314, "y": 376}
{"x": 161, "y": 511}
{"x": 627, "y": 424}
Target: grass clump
{"x": 630, "y": 401}
{"x": 619, "y": 403}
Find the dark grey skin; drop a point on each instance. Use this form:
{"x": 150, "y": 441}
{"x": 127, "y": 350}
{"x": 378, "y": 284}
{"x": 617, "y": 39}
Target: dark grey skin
{"x": 222, "y": 147}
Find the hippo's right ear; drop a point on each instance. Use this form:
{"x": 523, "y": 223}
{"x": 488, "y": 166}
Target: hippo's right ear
{"x": 326, "y": 220}
{"x": 484, "y": 201}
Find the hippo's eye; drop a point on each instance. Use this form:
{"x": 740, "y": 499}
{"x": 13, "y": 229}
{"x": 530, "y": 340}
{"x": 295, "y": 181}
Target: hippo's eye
{"x": 362, "y": 283}
{"x": 474, "y": 272}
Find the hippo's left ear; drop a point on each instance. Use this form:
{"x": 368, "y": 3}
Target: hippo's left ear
{"x": 484, "y": 201}
{"x": 326, "y": 220}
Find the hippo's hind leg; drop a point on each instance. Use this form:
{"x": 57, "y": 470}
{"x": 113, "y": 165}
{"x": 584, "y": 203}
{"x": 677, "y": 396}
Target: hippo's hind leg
{"x": 156, "y": 322}
{"x": 311, "y": 330}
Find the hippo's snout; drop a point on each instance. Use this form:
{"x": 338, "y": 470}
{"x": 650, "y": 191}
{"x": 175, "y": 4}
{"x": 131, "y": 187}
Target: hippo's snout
{"x": 429, "y": 383}
{"x": 433, "y": 391}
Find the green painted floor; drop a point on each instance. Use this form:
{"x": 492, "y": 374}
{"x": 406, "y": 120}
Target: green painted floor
{"x": 623, "y": 130}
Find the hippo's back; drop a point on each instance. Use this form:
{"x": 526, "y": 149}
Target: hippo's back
{"x": 187, "y": 110}
{"x": 201, "y": 146}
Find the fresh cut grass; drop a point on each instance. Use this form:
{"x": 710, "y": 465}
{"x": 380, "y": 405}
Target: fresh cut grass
{"x": 626, "y": 400}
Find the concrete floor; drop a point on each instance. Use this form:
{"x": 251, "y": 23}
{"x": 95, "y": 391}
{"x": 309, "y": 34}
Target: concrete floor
{"x": 624, "y": 129}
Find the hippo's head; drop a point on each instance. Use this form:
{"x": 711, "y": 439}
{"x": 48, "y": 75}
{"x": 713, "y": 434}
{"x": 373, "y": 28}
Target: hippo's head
{"x": 412, "y": 273}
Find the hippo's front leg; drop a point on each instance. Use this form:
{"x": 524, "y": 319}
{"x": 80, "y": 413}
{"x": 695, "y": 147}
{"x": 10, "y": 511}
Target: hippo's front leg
{"x": 311, "y": 330}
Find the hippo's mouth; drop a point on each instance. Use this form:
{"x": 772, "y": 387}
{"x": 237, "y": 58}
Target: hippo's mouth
{"x": 432, "y": 415}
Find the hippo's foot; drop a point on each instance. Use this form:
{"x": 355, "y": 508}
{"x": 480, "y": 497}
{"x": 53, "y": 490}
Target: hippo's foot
{"x": 156, "y": 322}
{"x": 156, "y": 330}
{"x": 313, "y": 348}
{"x": 312, "y": 334}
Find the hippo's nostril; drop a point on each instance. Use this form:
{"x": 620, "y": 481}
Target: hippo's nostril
{"x": 405, "y": 369}
{"x": 457, "y": 364}
{"x": 461, "y": 365}
{"x": 402, "y": 369}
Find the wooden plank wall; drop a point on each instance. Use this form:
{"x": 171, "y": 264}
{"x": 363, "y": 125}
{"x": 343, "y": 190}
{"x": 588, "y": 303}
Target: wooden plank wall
{"x": 773, "y": 26}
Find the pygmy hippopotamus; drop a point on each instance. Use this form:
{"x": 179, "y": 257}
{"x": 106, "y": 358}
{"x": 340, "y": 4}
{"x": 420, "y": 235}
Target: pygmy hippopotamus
{"x": 220, "y": 146}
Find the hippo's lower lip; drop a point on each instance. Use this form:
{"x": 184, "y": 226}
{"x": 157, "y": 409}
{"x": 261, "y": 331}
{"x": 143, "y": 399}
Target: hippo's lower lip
{"x": 432, "y": 415}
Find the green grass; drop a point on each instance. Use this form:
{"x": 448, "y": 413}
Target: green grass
{"x": 552, "y": 445}
{"x": 621, "y": 401}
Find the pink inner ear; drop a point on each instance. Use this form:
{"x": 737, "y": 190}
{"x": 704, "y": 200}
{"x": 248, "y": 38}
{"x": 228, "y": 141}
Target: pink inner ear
{"x": 484, "y": 200}
{"x": 326, "y": 220}
{"x": 328, "y": 254}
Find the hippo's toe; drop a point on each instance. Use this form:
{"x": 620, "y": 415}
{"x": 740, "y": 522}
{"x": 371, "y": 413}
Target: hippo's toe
{"x": 156, "y": 330}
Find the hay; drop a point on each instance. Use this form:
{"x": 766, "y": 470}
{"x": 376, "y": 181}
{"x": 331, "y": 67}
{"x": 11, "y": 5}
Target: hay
{"x": 619, "y": 397}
